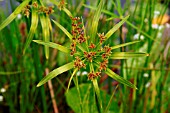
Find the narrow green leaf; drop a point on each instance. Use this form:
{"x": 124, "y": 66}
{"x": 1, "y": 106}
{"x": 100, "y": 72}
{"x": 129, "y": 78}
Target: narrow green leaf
{"x": 63, "y": 29}
{"x": 14, "y": 14}
{"x": 53, "y": 45}
{"x": 142, "y": 32}
{"x": 67, "y": 12}
{"x": 116, "y": 27}
{"x": 97, "y": 90}
{"x": 95, "y": 20}
{"x": 56, "y": 72}
{"x": 110, "y": 101}
{"x": 125, "y": 44}
{"x": 10, "y": 73}
{"x": 103, "y": 11}
{"x": 118, "y": 78}
{"x": 45, "y": 31}
{"x": 55, "y": 2}
{"x": 119, "y": 7}
{"x": 81, "y": 48}
{"x": 74, "y": 72}
{"x": 34, "y": 23}
{"x": 126, "y": 55}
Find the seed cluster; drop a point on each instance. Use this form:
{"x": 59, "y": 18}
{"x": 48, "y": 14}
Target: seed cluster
{"x": 26, "y": 11}
{"x": 93, "y": 75}
{"x": 46, "y": 10}
{"x": 40, "y": 9}
{"x": 78, "y": 34}
{"x": 61, "y": 4}
{"x": 89, "y": 55}
{"x": 78, "y": 63}
{"x": 93, "y": 52}
{"x": 102, "y": 37}
{"x": 92, "y": 46}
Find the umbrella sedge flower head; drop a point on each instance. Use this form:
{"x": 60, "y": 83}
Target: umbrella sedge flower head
{"x": 92, "y": 54}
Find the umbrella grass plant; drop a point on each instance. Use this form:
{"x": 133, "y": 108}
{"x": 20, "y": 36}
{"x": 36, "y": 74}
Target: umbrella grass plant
{"x": 89, "y": 52}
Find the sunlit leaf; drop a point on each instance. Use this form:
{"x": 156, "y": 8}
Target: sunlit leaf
{"x": 95, "y": 20}
{"x": 63, "y": 29}
{"x": 125, "y": 44}
{"x": 53, "y": 45}
{"x": 14, "y": 14}
{"x": 116, "y": 27}
{"x": 56, "y": 72}
{"x": 45, "y": 30}
{"x": 118, "y": 78}
{"x": 34, "y": 23}
{"x": 67, "y": 12}
{"x": 126, "y": 55}
{"x": 74, "y": 72}
{"x": 103, "y": 11}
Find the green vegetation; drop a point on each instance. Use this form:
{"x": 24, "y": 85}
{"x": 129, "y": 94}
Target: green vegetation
{"x": 101, "y": 56}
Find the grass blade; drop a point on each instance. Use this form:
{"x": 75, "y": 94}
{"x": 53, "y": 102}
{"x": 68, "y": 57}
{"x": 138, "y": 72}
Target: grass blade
{"x": 74, "y": 72}
{"x": 125, "y": 44}
{"x": 97, "y": 90}
{"x": 34, "y": 23}
{"x": 67, "y": 12}
{"x": 10, "y": 73}
{"x": 14, "y": 14}
{"x": 45, "y": 30}
{"x": 53, "y": 45}
{"x": 95, "y": 20}
{"x": 103, "y": 11}
{"x": 63, "y": 29}
{"x": 109, "y": 104}
{"x": 126, "y": 55}
{"x": 116, "y": 27}
{"x": 118, "y": 78}
{"x": 56, "y": 72}
{"x": 140, "y": 31}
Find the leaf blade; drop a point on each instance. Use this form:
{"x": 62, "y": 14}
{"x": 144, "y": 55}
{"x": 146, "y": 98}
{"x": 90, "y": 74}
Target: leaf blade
{"x": 74, "y": 72}
{"x": 118, "y": 78}
{"x": 125, "y": 44}
{"x": 95, "y": 20}
{"x": 34, "y": 24}
{"x": 116, "y": 27}
{"x": 53, "y": 45}
{"x": 126, "y": 55}
{"x": 12, "y": 16}
{"x": 56, "y": 72}
{"x": 44, "y": 23}
{"x": 97, "y": 90}
{"x": 63, "y": 29}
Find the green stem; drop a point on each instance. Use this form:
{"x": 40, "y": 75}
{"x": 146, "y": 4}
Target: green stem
{"x": 79, "y": 94}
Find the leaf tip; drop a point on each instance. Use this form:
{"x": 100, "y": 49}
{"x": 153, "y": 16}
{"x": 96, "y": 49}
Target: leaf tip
{"x": 147, "y": 54}
{"x": 38, "y": 85}
{"x": 34, "y": 40}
